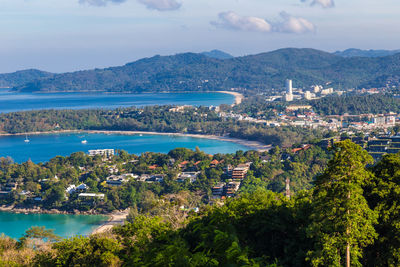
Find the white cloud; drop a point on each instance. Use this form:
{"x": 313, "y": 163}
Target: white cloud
{"x": 323, "y": 3}
{"x": 233, "y": 21}
{"x": 161, "y": 5}
{"x": 292, "y": 24}
{"x": 287, "y": 23}
{"x": 100, "y": 2}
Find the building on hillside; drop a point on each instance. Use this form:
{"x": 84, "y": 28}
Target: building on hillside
{"x": 231, "y": 188}
{"x": 217, "y": 190}
{"x": 71, "y": 189}
{"x": 118, "y": 180}
{"x": 191, "y": 176}
{"x": 82, "y": 188}
{"x": 383, "y": 145}
{"x": 228, "y": 171}
{"x": 90, "y": 198}
{"x": 239, "y": 173}
{"x": 102, "y": 152}
{"x": 214, "y": 163}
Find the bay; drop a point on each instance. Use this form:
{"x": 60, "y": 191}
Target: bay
{"x": 12, "y": 101}
{"x": 15, "y": 224}
{"x": 43, "y": 147}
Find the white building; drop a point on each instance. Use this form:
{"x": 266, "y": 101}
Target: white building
{"x": 102, "y": 152}
{"x": 289, "y": 91}
{"x": 91, "y": 195}
{"x": 307, "y": 95}
{"x": 191, "y": 176}
{"x": 289, "y": 87}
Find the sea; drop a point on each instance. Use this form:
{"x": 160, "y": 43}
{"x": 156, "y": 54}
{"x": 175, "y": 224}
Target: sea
{"x": 15, "y": 224}
{"x": 11, "y": 101}
{"x": 41, "y": 148}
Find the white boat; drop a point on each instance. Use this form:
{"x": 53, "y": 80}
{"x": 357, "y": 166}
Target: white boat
{"x": 26, "y": 139}
{"x": 84, "y": 141}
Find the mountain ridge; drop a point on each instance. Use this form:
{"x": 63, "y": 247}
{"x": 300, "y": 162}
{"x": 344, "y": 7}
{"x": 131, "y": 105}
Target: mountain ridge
{"x": 198, "y": 72}
{"x": 354, "y": 52}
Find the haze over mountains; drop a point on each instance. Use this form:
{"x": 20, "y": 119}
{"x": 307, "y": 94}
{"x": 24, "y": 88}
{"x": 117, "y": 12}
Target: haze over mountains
{"x": 217, "y": 70}
{"x": 353, "y": 52}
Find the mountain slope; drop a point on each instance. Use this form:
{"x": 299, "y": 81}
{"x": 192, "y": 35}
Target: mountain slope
{"x": 196, "y": 72}
{"x": 218, "y": 54}
{"x": 353, "y": 52}
{"x": 22, "y": 77}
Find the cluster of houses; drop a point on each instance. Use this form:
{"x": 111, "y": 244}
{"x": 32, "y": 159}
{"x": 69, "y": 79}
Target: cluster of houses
{"x": 232, "y": 184}
{"x": 376, "y": 146}
{"x": 382, "y": 145}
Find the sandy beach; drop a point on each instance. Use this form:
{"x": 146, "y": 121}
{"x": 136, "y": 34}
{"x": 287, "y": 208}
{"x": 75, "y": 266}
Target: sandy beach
{"x": 238, "y": 96}
{"x": 251, "y": 144}
{"x": 116, "y": 218}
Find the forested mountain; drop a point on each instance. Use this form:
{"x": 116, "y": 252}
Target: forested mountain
{"x": 218, "y": 54}
{"x": 196, "y": 72}
{"x": 353, "y": 52}
{"x": 22, "y": 77}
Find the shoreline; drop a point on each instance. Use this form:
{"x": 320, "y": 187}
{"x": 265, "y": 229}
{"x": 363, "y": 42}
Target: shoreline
{"x": 253, "y": 145}
{"x": 38, "y": 210}
{"x": 238, "y": 96}
{"x": 115, "y": 218}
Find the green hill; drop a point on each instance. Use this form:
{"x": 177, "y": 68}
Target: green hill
{"x": 21, "y": 77}
{"x": 353, "y": 52}
{"x": 196, "y": 72}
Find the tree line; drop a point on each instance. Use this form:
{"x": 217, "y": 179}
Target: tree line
{"x": 192, "y": 120}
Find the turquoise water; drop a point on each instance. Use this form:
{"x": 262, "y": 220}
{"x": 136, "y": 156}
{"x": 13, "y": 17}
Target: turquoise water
{"x": 15, "y": 225}
{"x": 41, "y": 148}
{"x": 11, "y": 101}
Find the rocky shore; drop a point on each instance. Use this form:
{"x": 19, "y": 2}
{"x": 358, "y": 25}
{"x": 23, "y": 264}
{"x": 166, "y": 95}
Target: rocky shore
{"x": 38, "y": 210}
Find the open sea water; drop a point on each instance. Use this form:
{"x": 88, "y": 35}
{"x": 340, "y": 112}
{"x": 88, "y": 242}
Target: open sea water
{"x": 12, "y": 101}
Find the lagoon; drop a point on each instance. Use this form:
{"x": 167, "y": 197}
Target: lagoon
{"x": 13, "y": 102}
{"x": 43, "y": 147}
{"x": 14, "y": 225}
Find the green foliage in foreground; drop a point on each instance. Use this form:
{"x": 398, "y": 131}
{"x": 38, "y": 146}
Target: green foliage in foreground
{"x": 350, "y": 206}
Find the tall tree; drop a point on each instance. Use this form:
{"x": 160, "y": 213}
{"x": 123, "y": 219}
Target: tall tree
{"x": 342, "y": 222}
{"x": 383, "y": 194}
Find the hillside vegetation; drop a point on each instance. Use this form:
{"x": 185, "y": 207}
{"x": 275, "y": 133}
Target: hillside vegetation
{"x": 349, "y": 218}
{"x": 197, "y": 72}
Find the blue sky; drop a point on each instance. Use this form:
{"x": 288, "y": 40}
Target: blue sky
{"x": 68, "y": 35}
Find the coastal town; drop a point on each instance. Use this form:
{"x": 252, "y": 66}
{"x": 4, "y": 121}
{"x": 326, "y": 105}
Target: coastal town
{"x": 116, "y": 176}
{"x": 374, "y": 132}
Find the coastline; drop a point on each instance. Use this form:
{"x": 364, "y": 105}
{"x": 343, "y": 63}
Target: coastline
{"x": 238, "y": 96}
{"x": 254, "y": 145}
{"x": 115, "y": 218}
{"x": 38, "y": 210}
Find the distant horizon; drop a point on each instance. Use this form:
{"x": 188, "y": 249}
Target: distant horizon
{"x": 65, "y": 36}
{"x": 184, "y": 52}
